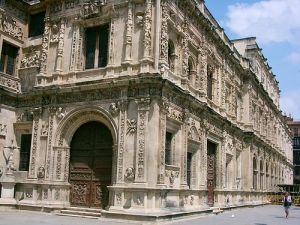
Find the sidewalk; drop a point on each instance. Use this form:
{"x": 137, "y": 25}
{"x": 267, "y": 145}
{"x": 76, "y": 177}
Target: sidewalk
{"x": 265, "y": 215}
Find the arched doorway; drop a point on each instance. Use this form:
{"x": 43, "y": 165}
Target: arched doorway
{"x": 90, "y": 165}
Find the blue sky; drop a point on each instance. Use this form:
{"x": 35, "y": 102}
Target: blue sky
{"x": 276, "y": 24}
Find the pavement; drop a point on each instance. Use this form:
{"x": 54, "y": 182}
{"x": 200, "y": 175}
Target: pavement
{"x": 264, "y": 215}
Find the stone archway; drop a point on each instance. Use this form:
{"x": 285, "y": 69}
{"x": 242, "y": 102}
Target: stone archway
{"x": 71, "y": 126}
{"x": 90, "y": 165}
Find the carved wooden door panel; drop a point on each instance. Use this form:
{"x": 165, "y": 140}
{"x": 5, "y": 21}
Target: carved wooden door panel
{"x": 91, "y": 165}
{"x": 211, "y": 174}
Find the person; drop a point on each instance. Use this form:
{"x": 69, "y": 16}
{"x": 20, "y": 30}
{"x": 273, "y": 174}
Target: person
{"x": 287, "y": 202}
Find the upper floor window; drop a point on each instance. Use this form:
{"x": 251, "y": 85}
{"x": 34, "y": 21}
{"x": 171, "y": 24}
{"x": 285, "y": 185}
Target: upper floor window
{"x": 36, "y": 24}
{"x": 96, "y": 39}
{"x": 171, "y": 55}
{"x": 25, "y": 152}
{"x": 209, "y": 82}
{"x": 168, "y": 148}
{"x": 8, "y": 58}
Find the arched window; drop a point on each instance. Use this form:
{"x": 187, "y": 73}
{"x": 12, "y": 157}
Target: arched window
{"x": 267, "y": 176}
{"x": 261, "y": 170}
{"x": 171, "y": 55}
{"x": 254, "y": 174}
{"x": 191, "y": 71}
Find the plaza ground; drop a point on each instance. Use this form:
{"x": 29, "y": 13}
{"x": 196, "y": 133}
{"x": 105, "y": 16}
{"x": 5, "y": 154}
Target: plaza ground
{"x": 265, "y": 215}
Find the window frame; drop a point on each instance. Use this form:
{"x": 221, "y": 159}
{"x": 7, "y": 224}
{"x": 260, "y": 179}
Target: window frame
{"x": 38, "y": 28}
{"x": 4, "y": 64}
{"x": 96, "y": 33}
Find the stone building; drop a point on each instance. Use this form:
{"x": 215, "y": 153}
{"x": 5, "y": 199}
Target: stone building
{"x": 135, "y": 106}
{"x": 294, "y": 125}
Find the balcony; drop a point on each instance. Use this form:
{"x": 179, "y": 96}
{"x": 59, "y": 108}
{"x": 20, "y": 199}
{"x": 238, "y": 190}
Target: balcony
{"x": 9, "y": 82}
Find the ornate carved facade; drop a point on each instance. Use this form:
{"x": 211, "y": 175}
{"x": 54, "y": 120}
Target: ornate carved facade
{"x": 191, "y": 119}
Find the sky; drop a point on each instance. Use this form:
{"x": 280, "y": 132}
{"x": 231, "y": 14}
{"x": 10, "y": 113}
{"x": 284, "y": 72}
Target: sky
{"x": 276, "y": 25}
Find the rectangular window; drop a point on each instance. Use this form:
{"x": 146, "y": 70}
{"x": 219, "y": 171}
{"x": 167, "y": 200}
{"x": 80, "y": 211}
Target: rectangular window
{"x": 36, "y": 24}
{"x": 168, "y": 148}
{"x": 25, "y": 152}
{"x": 189, "y": 168}
{"x": 96, "y": 46}
{"x": 8, "y": 58}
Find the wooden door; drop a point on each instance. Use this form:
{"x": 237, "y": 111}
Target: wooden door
{"x": 91, "y": 165}
{"x": 211, "y": 172}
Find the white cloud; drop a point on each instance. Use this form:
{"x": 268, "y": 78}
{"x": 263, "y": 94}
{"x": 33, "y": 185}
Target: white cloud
{"x": 268, "y": 20}
{"x": 294, "y": 57}
{"x": 290, "y": 103}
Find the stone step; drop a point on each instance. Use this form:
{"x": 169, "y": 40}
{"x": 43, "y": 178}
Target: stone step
{"x": 81, "y": 216}
{"x": 216, "y": 210}
{"x": 81, "y": 212}
{"x": 83, "y": 209}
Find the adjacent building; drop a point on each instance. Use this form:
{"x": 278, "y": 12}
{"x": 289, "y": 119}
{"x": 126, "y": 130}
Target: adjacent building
{"x": 135, "y": 106}
{"x": 295, "y": 129}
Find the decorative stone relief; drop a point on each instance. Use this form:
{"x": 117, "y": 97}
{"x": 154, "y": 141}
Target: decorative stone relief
{"x": 121, "y": 143}
{"x": 131, "y": 126}
{"x": 45, "y": 46}
{"x": 193, "y": 133}
{"x": 36, "y": 117}
{"x": 143, "y": 109}
{"x": 60, "y": 48}
{"x": 175, "y": 114}
{"x": 60, "y": 113}
{"x": 164, "y": 32}
{"x": 28, "y": 193}
{"x": 113, "y": 109}
{"x": 228, "y": 143}
{"x": 129, "y": 174}
{"x": 31, "y": 58}
{"x": 192, "y": 200}
{"x": 44, "y": 130}
{"x": 119, "y": 199}
{"x": 139, "y": 19}
{"x": 54, "y": 33}
{"x": 138, "y": 199}
{"x": 3, "y": 129}
{"x": 172, "y": 174}
{"x": 129, "y": 30}
{"x": 52, "y": 111}
{"x": 9, "y": 26}
{"x": 58, "y": 164}
{"x": 57, "y": 194}
{"x": 70, "y": 4}
{"x": 45, "y": 194}
{"x": 10, "y": 83}
{"x": 41, "y": 172}
{"x": 147, "y": 29}
{"x": 91, "y": 8}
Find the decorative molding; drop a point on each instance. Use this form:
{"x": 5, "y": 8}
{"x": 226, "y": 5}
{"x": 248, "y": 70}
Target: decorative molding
{"x": 31, "y": 58}
{"x": 147, "y": 29}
